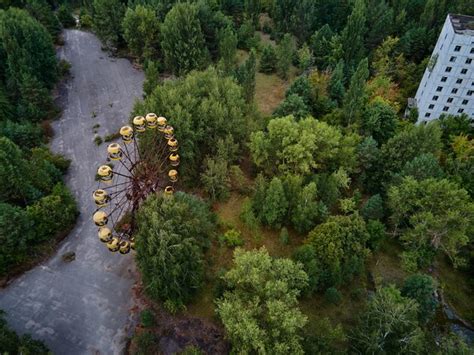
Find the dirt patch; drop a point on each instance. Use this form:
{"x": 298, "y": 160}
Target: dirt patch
{"x": 172, "y": 334}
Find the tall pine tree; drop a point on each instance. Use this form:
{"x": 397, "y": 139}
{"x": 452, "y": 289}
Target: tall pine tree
{"x": 183, "y": 42}
{"x": 354, "y": 34}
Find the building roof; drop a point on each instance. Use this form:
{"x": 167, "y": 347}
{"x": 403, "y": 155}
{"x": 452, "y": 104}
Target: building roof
{"x": 462, "y": 24}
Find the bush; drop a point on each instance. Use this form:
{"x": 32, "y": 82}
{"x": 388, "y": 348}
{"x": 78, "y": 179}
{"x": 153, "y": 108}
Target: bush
{"x": 147, "y": 318}
{"x": 376, "y": 230}
{"x": 332, "y": 295}
{"x": 232, "y": 238}
{"x": 64, "y": 14}
{"x": 373, "y": 208}
{"x": 306, "y": 255}
{"x": 268, "y": 60}
{"x": 85, "y": 19}
{"x": 247, "y": 215}
{"x": 422, "y": 289}
{"x": 146, "y": 342}
{"x": 98, "y": 140}
{"x": 11, "y": 343}
{"x": 64, "y": 68}
{"x": 284, "y": 236}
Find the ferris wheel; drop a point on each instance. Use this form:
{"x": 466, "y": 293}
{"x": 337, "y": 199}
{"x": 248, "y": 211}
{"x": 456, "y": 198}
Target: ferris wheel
{"x": 134, "y": 170}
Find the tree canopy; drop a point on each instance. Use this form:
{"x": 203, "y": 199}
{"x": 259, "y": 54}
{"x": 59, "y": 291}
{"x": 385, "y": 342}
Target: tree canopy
{"x": 259, "y": 309}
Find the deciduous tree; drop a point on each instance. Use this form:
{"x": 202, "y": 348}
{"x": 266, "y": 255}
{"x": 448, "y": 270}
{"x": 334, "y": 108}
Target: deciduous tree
{"x": 259, "y": 310}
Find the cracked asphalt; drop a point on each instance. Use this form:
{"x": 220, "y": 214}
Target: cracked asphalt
{"x": 82, "y": 307}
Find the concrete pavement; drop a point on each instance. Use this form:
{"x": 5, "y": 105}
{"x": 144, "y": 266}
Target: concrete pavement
{"x": 82, "y": 307}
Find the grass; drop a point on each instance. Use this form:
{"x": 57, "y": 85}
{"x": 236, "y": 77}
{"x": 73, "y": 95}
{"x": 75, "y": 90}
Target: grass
{"x": 458, "y": 289}
{"x": 219, "y": 256}
{"x": 270, "y": 90}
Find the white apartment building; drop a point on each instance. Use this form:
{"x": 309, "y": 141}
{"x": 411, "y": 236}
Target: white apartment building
{"x": 448, "y": 82}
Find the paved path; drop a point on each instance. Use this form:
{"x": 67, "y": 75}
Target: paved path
{"x": 82, "y": 307}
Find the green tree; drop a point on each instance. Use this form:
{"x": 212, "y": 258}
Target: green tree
{"x": 15, "y": 182}
{"x": 25, "y": 135}
{"x": 423, "y": 167}
{"x": 305, "y": 57}
{"x": 321, "y": 46}
{"x": 152, "y": 76}
{"x": 302, "y": 147}
{"x": 354, "y": 34}
{"x": 309, "y": 211}
{"x": 26, "y": 76}
{"x": 284, "y": 52}
{"x": 52, "y": 213}
{"x": 292, "y": 105}
{"x": 336, "y": 85}
{"x": 379, "y": 121}
{"x": 11, "y": 343}
{"x": 389, "y": 325}
{"x": 201, "y": 106}
{"x": 107, "y": 21}
{"x": 373, "y": 208}
{"x": 380, "y": 17}
{"x": 340, "y": 246}
{"x": 215, "y": 178}
{"x": 422, "y": 289}
{"x": 259, "y": 310}
{"x": 406, "y": 145}
{"x": 275, "y": 204}
{"x": 252, "y": 10}
{"x": 431, "y": 216}
{"x": 268, "y": 60}
{"x": 15, "y": 234}
{"x": 356, "y": 97}
{"x": 141, "y": 32}
{"x": 171, "y": 235}
{"x": 182, "y": 40}
{"x": 171, "y": 264}
{"x": 227, "y": 48}
{"x": 64, "y": 14}
{"x": 42, "y": 11}
{"x": 245, "y": 76}
{"x": 306, "y": 256}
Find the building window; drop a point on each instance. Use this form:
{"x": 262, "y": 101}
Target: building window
{"x": 435, "y": 98}
{"x": 450, "y": 100}
{"x": 445, "y": 108}
{"x": 427, "y": 114}
{"x": 468, "y": 60}
{"x": 470, "y": 92}
{"x": 443, "y": 79}
{"x": 439, "y": 88}
{"x": 463, "y": 71}
{"x": 448, "y": 69}
{"x": 454, "y": 91}
{"x": 452, "y": 59}
{"x": 459, "y": 81}
{"x": 464, "y": 102}
{"x": 461, "y": 110}
{"x": 457, "y": 48}
{"x": 431, "y": 106}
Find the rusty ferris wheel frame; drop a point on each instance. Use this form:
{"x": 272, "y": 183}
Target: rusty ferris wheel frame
{"x": 134, "y": 170}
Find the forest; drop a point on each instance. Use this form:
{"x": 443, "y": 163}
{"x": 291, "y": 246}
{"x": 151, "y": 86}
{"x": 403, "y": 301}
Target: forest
{"x": 315, "y": 214}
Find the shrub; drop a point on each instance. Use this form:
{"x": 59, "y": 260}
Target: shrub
{"x": 147, "y": 318}
{"x": 232, "y": 238}
{"x": 332, "y": 295}
{"x": 284, "y": 236}
{"x": 376, "y": 230}
{"x": 98, "y": 140}
{"x": 247, "y": 214}
{"x": 373, "y": 208}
